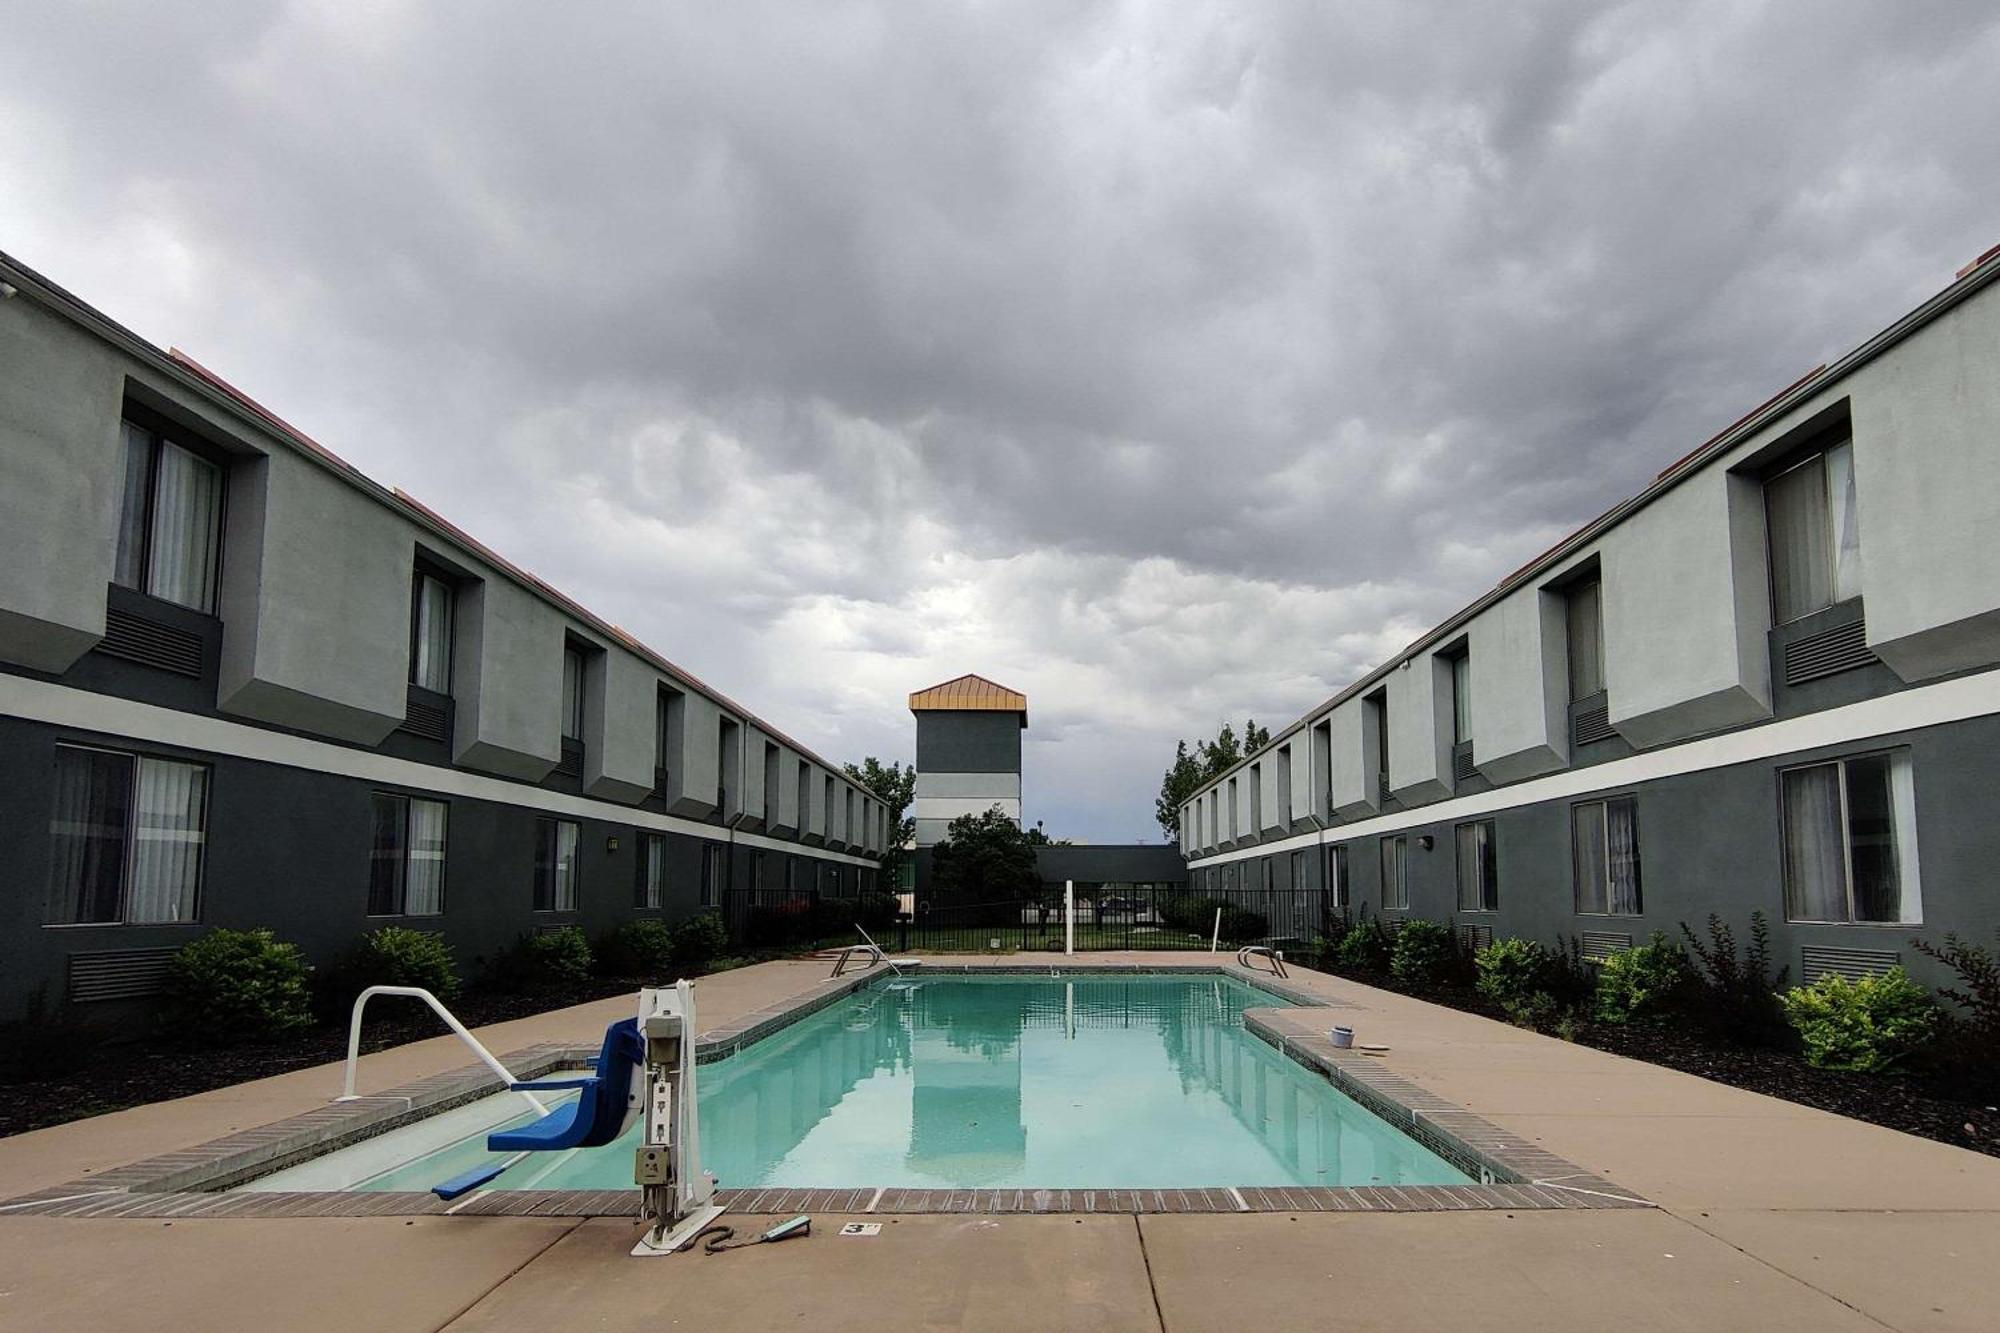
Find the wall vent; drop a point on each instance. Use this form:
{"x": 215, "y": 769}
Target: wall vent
{"x": 1591, "y": 723}
{"x": 1828, "y": 653}
{"x": 1463, "y": 768}
{"x": 149, "y": 643}
{"x": 118, "y": 974}
{"x": 1598, "y": 945}
{"x": 1854, "y": 964}
{"x": 424, "y": 716}
{"x": 571, "y": 764}
{"x": 1475, "y": 937}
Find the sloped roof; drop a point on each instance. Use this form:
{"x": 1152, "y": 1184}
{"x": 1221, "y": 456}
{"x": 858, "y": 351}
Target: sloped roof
{"x": 970, "y": 692}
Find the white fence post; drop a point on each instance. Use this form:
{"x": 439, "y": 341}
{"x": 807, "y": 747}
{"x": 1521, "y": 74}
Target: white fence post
{"x": 1069, "y": 916}
{"x": 1215, "y": 938}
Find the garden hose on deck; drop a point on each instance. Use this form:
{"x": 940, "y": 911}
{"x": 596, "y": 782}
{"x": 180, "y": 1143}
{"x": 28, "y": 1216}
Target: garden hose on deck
{"x": 718, "y": 1238}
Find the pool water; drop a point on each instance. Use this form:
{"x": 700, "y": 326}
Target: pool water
{"x": 1088, "y": 1081}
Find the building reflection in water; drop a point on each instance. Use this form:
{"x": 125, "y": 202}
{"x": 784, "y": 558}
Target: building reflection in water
{"x": 1138, "y": 1081}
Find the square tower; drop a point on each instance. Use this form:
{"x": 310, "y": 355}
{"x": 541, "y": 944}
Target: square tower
{"x": 968, "y": 752}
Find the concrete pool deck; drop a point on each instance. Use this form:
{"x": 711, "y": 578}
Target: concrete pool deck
{"x": 1771, "y": 1216}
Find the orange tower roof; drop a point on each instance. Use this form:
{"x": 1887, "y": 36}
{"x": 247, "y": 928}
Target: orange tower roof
{"x": 969, "y": 693}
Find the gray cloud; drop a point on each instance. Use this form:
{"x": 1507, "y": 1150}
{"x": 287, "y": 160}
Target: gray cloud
{"x": 1165, "y": 363}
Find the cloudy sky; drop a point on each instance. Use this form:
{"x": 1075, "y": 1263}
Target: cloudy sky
{"x": 1167, "y": 362}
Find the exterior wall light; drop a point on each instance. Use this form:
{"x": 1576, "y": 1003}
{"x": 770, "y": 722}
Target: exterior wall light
{"x": 611, "y": 843}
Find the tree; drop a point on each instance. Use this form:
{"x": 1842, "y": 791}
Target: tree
{"x": 895, "y": 787}
{"x": 1192, "y": 768}
{"x": 984, "y": 858}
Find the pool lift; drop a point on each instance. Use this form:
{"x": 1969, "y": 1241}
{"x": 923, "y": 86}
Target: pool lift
{"x": 644, "y": 1074}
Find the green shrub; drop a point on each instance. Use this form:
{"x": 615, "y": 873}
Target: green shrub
{"x": 399, "y": 956}
{"x": 1367, "y": 947}
{"x": 1425, "y": 956}
{"x": 1973, "y": 1036}
{"x": 555, "y": 956}
{"x": 1641, "y": 982}
{"x": 643, "y": 948}
{"x": 1864, "y": 1025}
{"x": 699, "y": 940}
{"x": 1739, "y": 995}
{"x": 239, "y": 985}
{"x": 1197, "y": 917}
{"x": 1513, "y": 974}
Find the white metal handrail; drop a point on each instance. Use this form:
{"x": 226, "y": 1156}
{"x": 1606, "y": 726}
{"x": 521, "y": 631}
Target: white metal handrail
{"x": 869, "y": 946}
{"x": 1277, "y": 957}
{"x": 486, "y": 1057}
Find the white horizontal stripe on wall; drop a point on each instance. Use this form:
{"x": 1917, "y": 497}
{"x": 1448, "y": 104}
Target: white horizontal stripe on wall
{"x": 149, "y": 724}
{"x": 1906, "y": 710}
{"x": 969, "y": 784}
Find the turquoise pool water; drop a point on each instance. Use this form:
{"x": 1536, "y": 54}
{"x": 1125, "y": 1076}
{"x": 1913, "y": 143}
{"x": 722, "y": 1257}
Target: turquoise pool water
{"x": 954, "y": 1081}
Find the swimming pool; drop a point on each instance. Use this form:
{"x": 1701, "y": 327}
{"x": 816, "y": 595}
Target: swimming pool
{"x": 953, "y": 1081}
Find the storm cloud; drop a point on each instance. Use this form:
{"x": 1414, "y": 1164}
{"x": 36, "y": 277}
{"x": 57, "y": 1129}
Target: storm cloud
{"x": 1166, "y": 362}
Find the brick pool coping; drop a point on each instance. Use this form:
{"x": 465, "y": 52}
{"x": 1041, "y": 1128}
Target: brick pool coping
{"x": 1514, "y": 1174}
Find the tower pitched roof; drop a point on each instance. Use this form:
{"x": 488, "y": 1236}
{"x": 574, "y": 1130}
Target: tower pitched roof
{"x": 970, "y": 693}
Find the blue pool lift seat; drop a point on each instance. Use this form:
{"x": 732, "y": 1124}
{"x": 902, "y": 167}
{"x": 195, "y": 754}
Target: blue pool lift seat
{"x": 597, "y": 1116}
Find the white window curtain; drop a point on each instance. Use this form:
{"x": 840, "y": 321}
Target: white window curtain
{"x": 424, "y": 882}
{"x": 1844, "y": 515}
{"x": 432, "y": 668}
{"x": 565, "y": 866}
{"x": 1584, "y": 606}
{"x": 1395, "y": 887}
{"x": 1461, "y": 698}
{"x": 1477, "y": 890}
{"x": 169, "y": 800}
{"x": 1621, "y": 828}
{"x": 187, "y": 516}
{"x": 1815, "y": 847}
{"x": 1801, "y": 567}
{"x": 654, "y": 885}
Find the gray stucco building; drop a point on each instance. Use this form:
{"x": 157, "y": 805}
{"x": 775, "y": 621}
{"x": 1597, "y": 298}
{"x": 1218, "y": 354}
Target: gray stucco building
{"x": 243, "y": 685}
{"x": 1766, "y": 682}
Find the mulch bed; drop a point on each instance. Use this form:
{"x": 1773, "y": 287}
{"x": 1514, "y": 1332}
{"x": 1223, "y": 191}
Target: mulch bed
{"x": 114, "y": 1076}
{"x": 1951, "y": 1106}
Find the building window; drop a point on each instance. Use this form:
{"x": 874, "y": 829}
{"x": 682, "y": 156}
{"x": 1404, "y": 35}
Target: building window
{"x": 556, "y": 868}
{"x": 430, "y": 633}
{"x": 1298, "y": 870}
{"x": 1267, "y": 869}
{"x": 1461, "y": 699}
{"x": 127, "y": 836}
{"x": 653, "y": 871}
{"x": 1850, "y": 841}
{"x": 1815, "y": 534}
{"x": 1235, "y": 819}
{"x": 572, "y": 695}
{"x": 1583, "y": 615}
{"x": 1256, "y": 799}
{"x": 1395, "y": 874}
{"x": 712, "y": 872}
{"x": 1336, "y": 876}
{"x": 170, "y": 528}
{"x": 1478, "y": 870}
{"x": 406, "y": 857}
{"x": 805, "y": 797}
{"x": 1604, "y": 843}
{"x": 826, "y": 809}
{"x": 770, "y": 785}
{"x": 1377, "y": 705}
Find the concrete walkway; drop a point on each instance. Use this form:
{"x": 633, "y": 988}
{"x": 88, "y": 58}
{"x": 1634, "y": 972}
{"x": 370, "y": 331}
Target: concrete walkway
{"x": 1772, "y": 1216}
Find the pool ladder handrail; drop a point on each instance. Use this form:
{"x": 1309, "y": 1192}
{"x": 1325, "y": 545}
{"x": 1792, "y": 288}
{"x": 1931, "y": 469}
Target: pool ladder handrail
{"x": 486, "y": 1057}
{"x": 1277, "y": 957}
{"x": 868, "y": 946}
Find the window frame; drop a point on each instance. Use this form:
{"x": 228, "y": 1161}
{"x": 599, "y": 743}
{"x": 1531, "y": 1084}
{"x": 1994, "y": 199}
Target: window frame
{"x": 1815, "y": 454}
{"x": 713, "y": 874}
{"x": 1486, "y": 866}
{"x": 123, "y": 921}
{"x": 1909, "y": 879}
{"x": 651, "y": 895}
{"x": 158, "y": 435}
{"x": 556, "y": 906}
{"x": 421, "y": 575}
{"x": 573, "y": 706}
{"x": 1603, "y": 804}
{"x": 1337, "y": 875}
{"x": 1400, "y": 843}
{"x": 1593, "y": 585}
{"x": 406, "y": 802}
